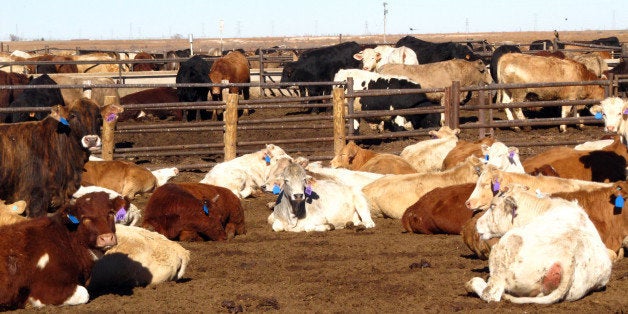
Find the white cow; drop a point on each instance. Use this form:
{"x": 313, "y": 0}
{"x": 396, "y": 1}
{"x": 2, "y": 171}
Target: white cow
{"x": 427, "y": 156}
{"x": 305, "y": 204}
{"x": 503, "y": 157}
{"x": 614, "y": 111}
{"x": 245, "y": 174}
{"x": 549, "y": 251}
{"x": 140, "y": 258}
{"x": 129, "y": 215}
{"x": 373, "y": 58}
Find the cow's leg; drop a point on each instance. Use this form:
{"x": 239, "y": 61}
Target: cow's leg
{"x": 476, "y": 285}
{"x": 80, "y": 296}
{"x": 362, "y": 209}
{"x": 189, "y": 236}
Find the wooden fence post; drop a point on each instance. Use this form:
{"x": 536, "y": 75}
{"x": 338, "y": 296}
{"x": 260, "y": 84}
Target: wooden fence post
{"x": 108, "y": 127}
{"x": 230, "y": 117}
{"x": 447, "y": 104}
{"x": 340, "y": 135}
{"x": 454, "y": 102}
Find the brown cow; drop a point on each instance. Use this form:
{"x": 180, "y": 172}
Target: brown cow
{"x": 121, "y": 176}
{"x": 42, "y": 161}
{"x": 7, "y": 96}
{"x": 194, "y": 211}
{"x": 607, "y": 164}
{"x": 233, "y": 68}
{"x": 464, "y": 149}
{"x": 52, "y": 68}
{"x": 48, "y": 260}
{"x": 151, "y": 96}
{"x": 143, "y": 66}
{"x": 353, "y": 157}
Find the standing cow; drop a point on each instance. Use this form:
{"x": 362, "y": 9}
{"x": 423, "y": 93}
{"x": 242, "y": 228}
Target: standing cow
{"x": 232, "y": 68}
{"x": 40, "y": 97}
{"x": 373, "y": 58}
{"x": 194, "y": 70}
{"x": 428, "y": 52}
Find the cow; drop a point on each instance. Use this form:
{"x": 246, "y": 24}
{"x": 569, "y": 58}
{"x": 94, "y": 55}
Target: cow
{"x": 11, "y": 213}
{"x": 7, "y": 96}
{"x": 128, "y": 214}
{"x": 497, "y": 54}
{"x": 99, "y": 67}
{"x": 391, "y": 195}
{"x": 151, "y": 96}
{"x": 607, "y": 41}
{"x": 544, "y": 44}
{"x": 245, "y": 174}
{"x": 40, "y": 97}
{"x": 373, "y": 58}
{"x": 622, "y": 69}
{"x": 464, "y": 149}
{"x": 320, "y": 65}
{"x": 42, "y": 161}
{"x": 365, "y": 80}
{"x": 140, "y": 258}
{"x": 176, "y": 54}
{"x": 614, "y": 111}
{"x": 48, "y": 260}
{"x": 142, "y": 55}
{"x": 605, "y": 165}
{"x": 549, "y": 251}
{"x": 592, "y": 61}
{"x": 305, "y": 204}
{"x": 427, "y": 156}
{"x": 232, "y": 68}
{"x": 194, "y": 70}
{"x": 439, "y": 211}
{"x": 354, "y": 157}
{"x": 52, "y": 68}
{"x": 189, "y": 211}
{"x": 101, "y": 95}
{"x": 441, "y": 74}
{"x": 124, "y": 177}
{"x": 515, "y": 68}
{"x": 428, "y": 52}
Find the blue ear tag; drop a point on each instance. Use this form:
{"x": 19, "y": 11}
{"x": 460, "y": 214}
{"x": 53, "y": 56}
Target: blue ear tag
{"x": 619, "y": 201}
{"x": 308, "y": 190}
{"x": 276, "y": 189}
{"x": 120, "y": 214}
{"x": 496, "y": 186}
{"x": 486, "y": 157}
{"x": 205, "y": 209}
{"x": 64, "y": 121}
{"x": 598, "y": 116}
{"x": 73, "y": 219}
{"x": 267, "y": 159}
{"x": 14, "y": 208}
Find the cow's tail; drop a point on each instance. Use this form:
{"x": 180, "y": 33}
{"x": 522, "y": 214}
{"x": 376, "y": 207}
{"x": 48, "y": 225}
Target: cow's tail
{"x": 557, "y": 294}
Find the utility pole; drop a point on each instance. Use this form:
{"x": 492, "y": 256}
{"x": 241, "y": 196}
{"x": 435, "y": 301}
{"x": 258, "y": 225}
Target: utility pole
{"x": 385, "y": 13}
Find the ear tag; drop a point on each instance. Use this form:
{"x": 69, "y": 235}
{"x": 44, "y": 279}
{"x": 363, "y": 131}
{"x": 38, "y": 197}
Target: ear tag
{"x": 625, "y": 111}
{"x": 308, "y": 190}
{"x": 619, "y": 201}
{"x": 112, "y": 116}
{"x": 276, "y": 189}
{"x": 539, "y": 194}
{"x": 205, "y": 209}
{"x": 120, "y": 214}
{"x": 598, "y": 116}
{"x": 486, "y": 157}
{"x": 511, "y": 155}
{"x": 64, "y": 121}
{"x": 14, "y": 208}
{"x": 73, "y": 219}
{"x": 496, "y": 186}
{"x": 267, "y": 159}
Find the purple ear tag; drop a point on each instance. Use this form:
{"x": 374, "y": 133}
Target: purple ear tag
{"x": 73, "y": 219}
{"x": 308, "y": 190}
{"x": 205, "y": 209}
{"x": 120, "y": 214}
{"x": 276, "y": 189}
{"x": 64, "y": 121}
{"x": 598, "y": 116}
{"x": 619, "y": 201}
{"x": 511, "y": 154}
{"x": 625, "y": 111}
{"x": 111, "y": 117}
{"x": 496, "y": 186}
{"x": 267, "y": 159}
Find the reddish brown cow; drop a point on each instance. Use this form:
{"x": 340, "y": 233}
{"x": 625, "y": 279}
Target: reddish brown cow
{"x": 52, "y": 68}
{"x": 440, "y": 211}
{"x": 234, "y": 68}
{"x": 144, "y": 66}
{"x": 7, "y": 96}
{"x": 194, "y": 211}
{"x": 48, "y": 260}
{"x": 152, "y": 96}
{"x": 354, "y": 157}
{"x": 42, "y": 161}
{"x": 608, "y": 164}
{"x": 465, "y": 149}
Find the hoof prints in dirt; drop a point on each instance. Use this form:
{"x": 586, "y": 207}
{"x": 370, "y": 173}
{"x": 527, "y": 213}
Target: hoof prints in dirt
{"x": 250, "y": 303}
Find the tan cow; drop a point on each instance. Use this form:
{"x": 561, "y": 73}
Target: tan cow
{"x": 97, "y": 94}
{"x": 465, "y": 149}
{"x": 428, "y": 155}
{"x": 517, "y": 68}
{"x": 96, "y": 67}
{"x": 593, "y": 61}
{"x": 353, "y": 157}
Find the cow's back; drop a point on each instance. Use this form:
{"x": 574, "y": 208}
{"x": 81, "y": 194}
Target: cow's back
{"x": 464, "y": 149}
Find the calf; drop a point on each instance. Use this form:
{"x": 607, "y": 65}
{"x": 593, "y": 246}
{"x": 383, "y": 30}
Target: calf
{"x": 427, "y": 156}
{"x": 48, "y": 260}
{"x": 373, "y": 58}
{"x": 614, "y": 111}
{"x": 549, "y": 251}
{"x": 321, "y": 205}
{"x": 194, "y": 211}
{"x": 245, "y": 174}
{"x": 465, "y": 149}
{"x": 353, "y": 157}
{"x": 141, "y": 258}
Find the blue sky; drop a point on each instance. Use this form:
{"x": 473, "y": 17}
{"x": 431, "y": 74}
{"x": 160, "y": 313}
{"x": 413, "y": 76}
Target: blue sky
{"x": 118, "y": 19}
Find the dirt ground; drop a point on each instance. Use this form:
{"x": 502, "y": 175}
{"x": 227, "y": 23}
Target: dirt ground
{"x": 378, "y": 270}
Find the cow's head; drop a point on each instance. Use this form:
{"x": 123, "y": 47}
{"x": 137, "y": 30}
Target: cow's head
{"x": 500, "y": 216}
{"x": 345, "y": 158}
{"x": 297, "y": 187}
{"x": 488, "y": 184}
{"x": 503, "y": 157}
{"x": 92, "y": 219}
{"x": 369, "y": 57}
{"x": 613, "y": 110}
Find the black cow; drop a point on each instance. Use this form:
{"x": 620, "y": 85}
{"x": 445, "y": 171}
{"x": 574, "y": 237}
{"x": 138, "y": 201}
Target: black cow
{"x": 544, "y": 44}
{"x": 500, "y": 51}
{"x": 45, "y": 98}
{"x": 429, "y": 52}
{"x": 396, "y": 102}
{"x": 194, "y": 70}
{"x": 42, "y": 161}
{"x": 607, "y": 41}
{"x": 320, "y": 65}
{"x": 621, "y": 68}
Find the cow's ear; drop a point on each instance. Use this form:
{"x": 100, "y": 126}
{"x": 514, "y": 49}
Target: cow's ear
{"x": 485, "y": 149}
{"x": 378, "y": 56}
{"x": 69, "y": 214}
{"x": 456, "y": 131}
{"x": 120, "y": 202}
{"x": 510, "y": 204}
{"x": 595, "y": 109}
{"x": 302, "y": 161}
{"x": 358, "y": 56}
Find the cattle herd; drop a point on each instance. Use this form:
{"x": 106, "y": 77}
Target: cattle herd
{"x": 552, "y": 225}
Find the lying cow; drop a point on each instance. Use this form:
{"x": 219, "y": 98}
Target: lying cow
{"x": 141, "y": 258}
{"x": 549, "y": 251}
{"x": 11, "y": 213}
{"x": 128, "y": 214}
{"x": 373, "y": 58}
{"x": 245, "y": 174}
{"x": 427, "y": 156}
{"x": 307, "y": 205}
{"x": 194, "y": 212}
{"x": 465, "y": 149}
{"x": 48, "y": 260}
{"x": 353, "y": 157}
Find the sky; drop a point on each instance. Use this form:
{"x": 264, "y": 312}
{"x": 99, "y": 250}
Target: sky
{"x": 141, "y": 19}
